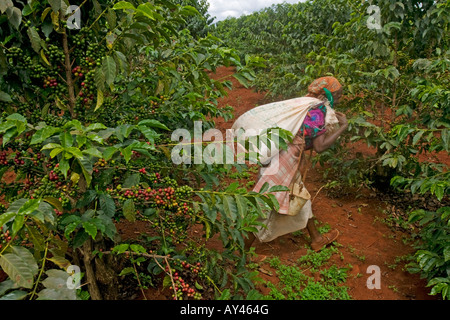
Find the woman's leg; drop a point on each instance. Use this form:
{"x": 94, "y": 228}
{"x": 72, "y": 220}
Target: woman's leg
{"x": 313, "y": 232}
{"x": 318, "y": 241}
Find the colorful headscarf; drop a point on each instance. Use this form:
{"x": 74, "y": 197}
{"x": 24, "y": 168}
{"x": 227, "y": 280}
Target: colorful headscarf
{"x": 316, "y": 89}
{"x": 331, "y": 83}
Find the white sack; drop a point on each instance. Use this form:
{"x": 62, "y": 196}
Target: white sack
{"x": 287, "y": 114}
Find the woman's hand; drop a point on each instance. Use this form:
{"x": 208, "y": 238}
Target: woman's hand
{"x": 324, "y": 141}
{"x": 342, "y": 118}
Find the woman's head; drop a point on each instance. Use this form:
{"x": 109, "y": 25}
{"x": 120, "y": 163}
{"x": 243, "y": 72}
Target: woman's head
{"x": 315, "y": 89}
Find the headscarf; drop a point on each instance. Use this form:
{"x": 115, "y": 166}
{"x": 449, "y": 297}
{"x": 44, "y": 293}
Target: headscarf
{"x": 315, "y": 89}
{"x": 317, "y": 86}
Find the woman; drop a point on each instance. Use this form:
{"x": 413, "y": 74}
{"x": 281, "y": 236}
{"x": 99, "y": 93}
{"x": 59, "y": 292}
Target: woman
{"x": 315, "y": 133}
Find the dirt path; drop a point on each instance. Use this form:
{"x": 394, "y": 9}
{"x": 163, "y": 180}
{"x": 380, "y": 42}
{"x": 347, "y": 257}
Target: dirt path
{"x": 365, "y": 239}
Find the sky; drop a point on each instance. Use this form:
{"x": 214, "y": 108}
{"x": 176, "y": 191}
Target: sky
{"x": 221, "y": 9}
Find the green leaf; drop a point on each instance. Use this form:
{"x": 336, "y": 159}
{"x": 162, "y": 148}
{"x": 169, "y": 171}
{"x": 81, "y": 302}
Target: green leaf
{"x": 126, "y": 153}
{"x": 17, "y": 224}
{"x": 129, "y": 210}
{"x": 90, "y": 228}
{"x": 149, "y": 134}
{"x": 137, "y": 248}
{"x": 96, "y": 126}
{"x": 447, "y": 254}
{"x": 153, "y": 123}
{"x": 51, "y": 146}
{"x": 4, "y": 218}
{"x": 29, "y": 207}
{"x": 71, "y": 227}
{"x": 123, "y": 5}
{"x": 66, "y": 139}
{"x": 132, "y": 180}
{"x": 109, "y": 152}
{"x": 42, "y": 134}
{"x": 5, "y": 97}
{"x": 36, "y": 237}
{"x": 167, "y": 281}
{"x": 100, "y": 99}
{"x": 229, "y": 206}
{"x": 45, "y": 213}
{"x": 8, "y": 135}
{"x": 5, "y": 4}
{"x": 55, "y": 152}
{"x": 109, "y": 70}
{"x": 20, "y": 266}
{"x": 56, "y": 287}
{"x": 417, "y": 137}
{"x": 121, "y": 248}
{"x": 87, "y": 169}
{"x": 15, "y": 295}
{"x": 241, "y": 203}
{"x": 55, "y": 4}
{"x": 64, "y": 166}
{"x": 107, "y": 205}
{"x": 75, "y": 152}
{"x": 93, "y": 152}
{"x": 147, "y": 9}
{"x": 35, "y": 39}
{"x": 264, "y": 188}
{"x": 278, "y": 189}
{"x": 126, "y": 271}
{"x": 54, "y": 202}
{"x": 14, "y": 16}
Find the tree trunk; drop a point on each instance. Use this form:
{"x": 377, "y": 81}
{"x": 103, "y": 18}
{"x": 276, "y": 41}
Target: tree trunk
{"x": 93, "y": 288}
{"x": 105, "y": 271}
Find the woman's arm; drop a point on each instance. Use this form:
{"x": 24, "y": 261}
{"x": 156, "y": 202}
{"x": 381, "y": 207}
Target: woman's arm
{"x": 323, "y": 142}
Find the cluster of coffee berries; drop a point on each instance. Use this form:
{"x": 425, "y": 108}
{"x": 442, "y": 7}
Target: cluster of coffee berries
{"x": 57, "y": 189}
{"x": 101, "y": 163}
{"x": 183, "y": 289}
{"x": 96, "y": 52}
{"x": 55, "y": 120}
{"x": 18, "y": 159}
{"x": 54, "y": 53}
{"x": 77, "y": 71}
{"x": 173, "y": 228}
{"x": 5, "y": 237}
{"x": 163, "y": 197}
{"x": 155, "y": 177}
{"x": 194, "y": 268}
{"x": 142, "y": 170}
{"x": 18, "y": 58}
{"x": 22, "y": 108}
{"x": 50, "y": 82}
{"x": 3, "y": 158}
{"x": 154, "y": 106}
{"x": 53, "y": 176}
{"x": 185, "y": 210}
{"x": 184, "y": 192}
{"x": 14, "y": 52}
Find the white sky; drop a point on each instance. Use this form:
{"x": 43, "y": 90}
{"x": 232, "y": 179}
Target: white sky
{"x": 222, "y": 9}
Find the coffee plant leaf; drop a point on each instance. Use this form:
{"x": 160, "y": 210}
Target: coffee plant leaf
{"x": 56, "y": 286}
{"x": 15, "y": 295}
{"x": 20, "y": 266}
{"x": 129, "y": 210}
